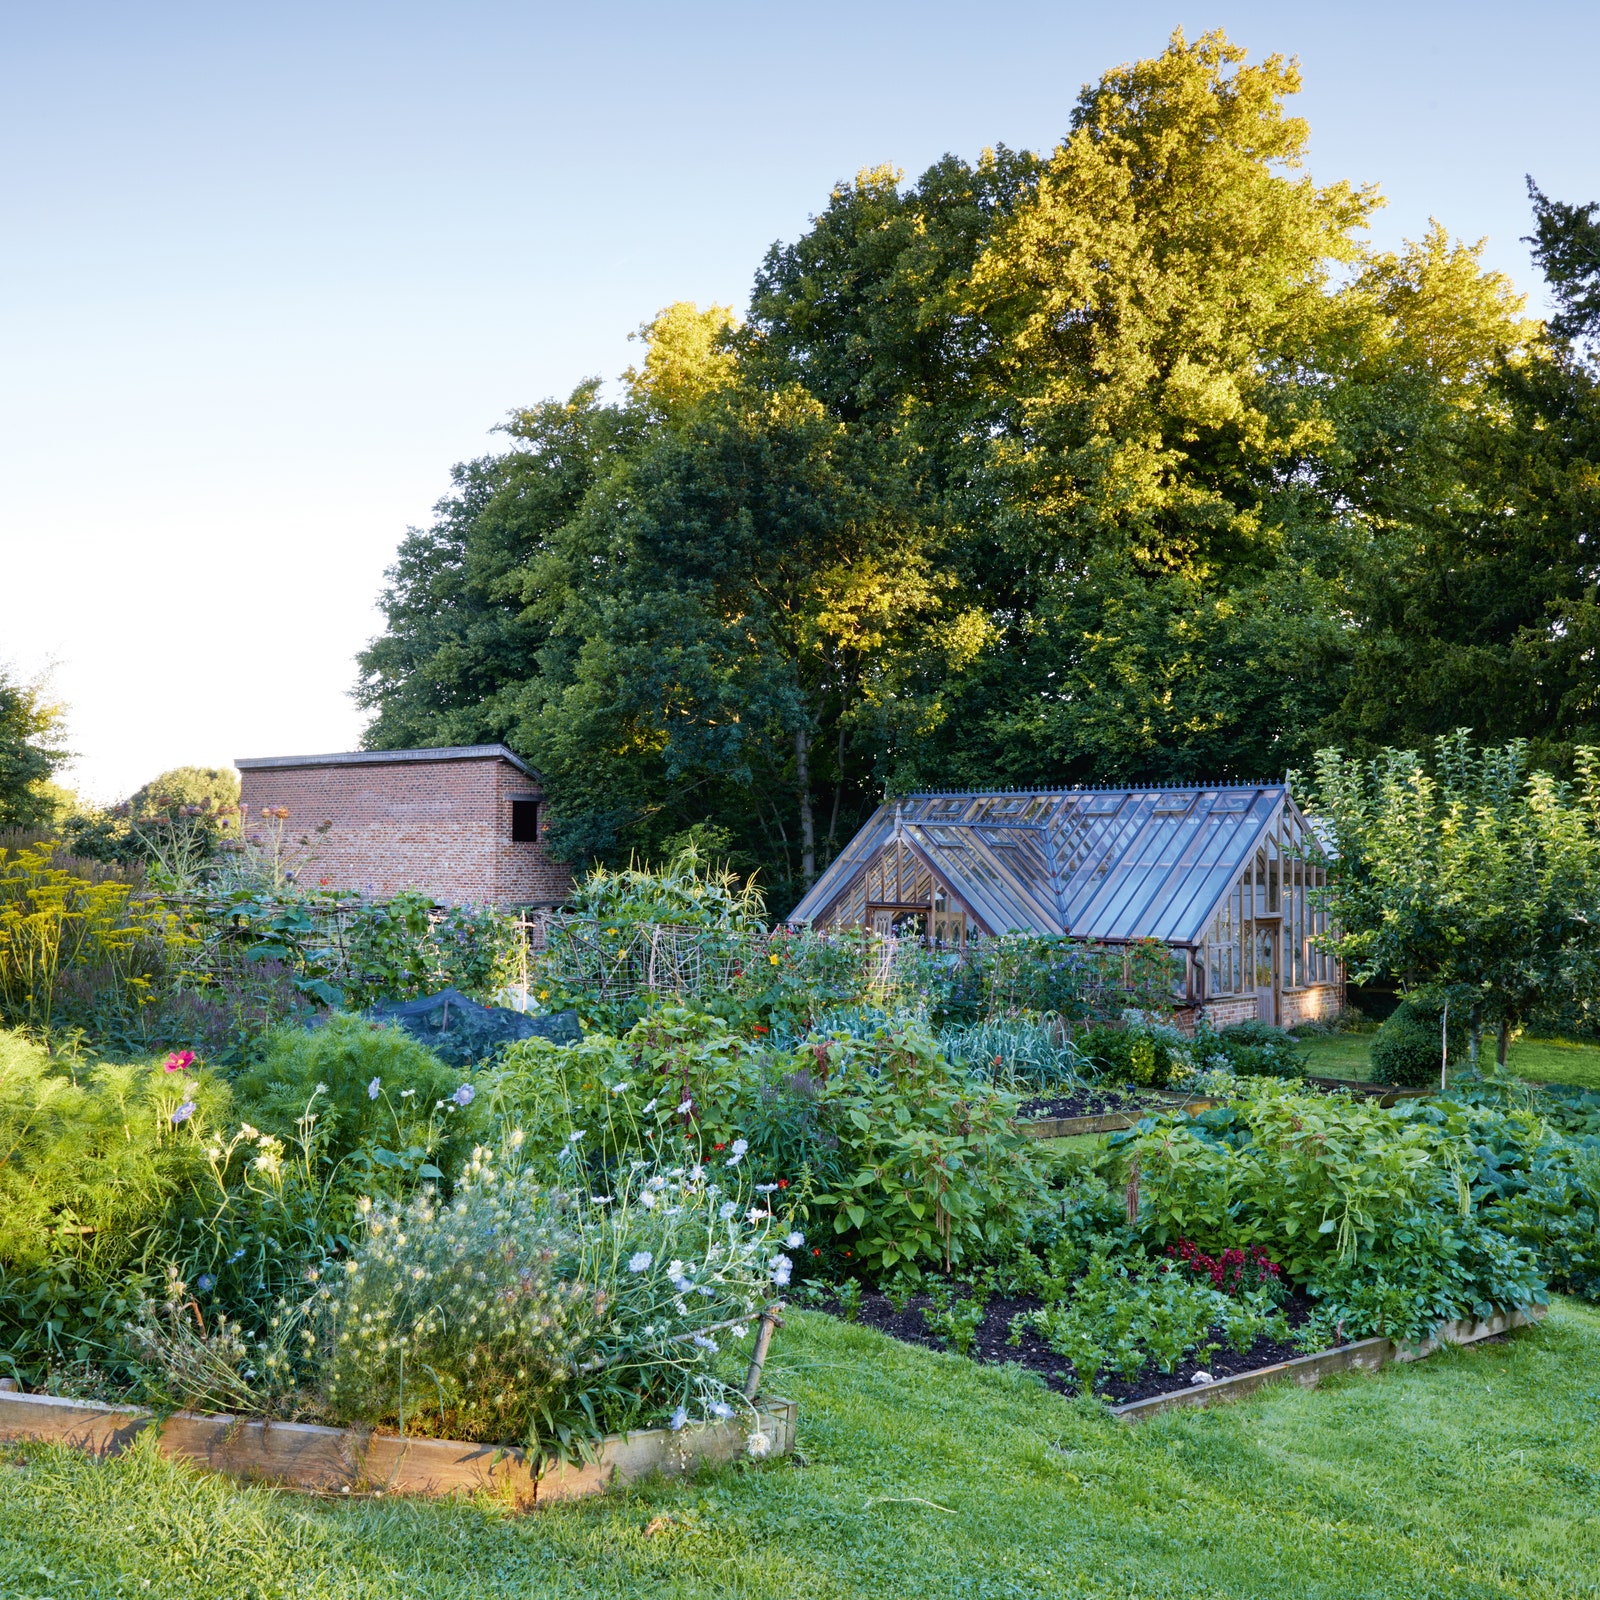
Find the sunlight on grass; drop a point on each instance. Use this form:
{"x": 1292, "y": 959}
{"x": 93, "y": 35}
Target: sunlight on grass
{"x": 1348, "y": 1055}
{"x": 1472, "y": 1473}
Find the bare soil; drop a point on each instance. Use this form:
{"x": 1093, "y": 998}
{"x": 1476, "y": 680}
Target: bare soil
{"x": 992, "y": 1346}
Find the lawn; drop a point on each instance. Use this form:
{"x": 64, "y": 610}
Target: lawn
{"x": 1476, "y": 1473}
{"x": 1347, "y": 1055}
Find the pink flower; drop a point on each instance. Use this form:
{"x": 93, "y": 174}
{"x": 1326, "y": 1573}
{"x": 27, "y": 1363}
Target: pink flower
{"x": 179, "y": 1061}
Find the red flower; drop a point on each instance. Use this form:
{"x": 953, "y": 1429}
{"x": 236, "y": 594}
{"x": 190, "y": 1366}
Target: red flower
{"x": 759, "y": 1028}
{"x": 719, "y": 1147}
{"x": 783, "y": 1183}
{"x": 816, "y": 1252}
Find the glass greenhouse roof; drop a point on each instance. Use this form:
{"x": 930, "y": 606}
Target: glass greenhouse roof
{"x": 1134, "y": 863}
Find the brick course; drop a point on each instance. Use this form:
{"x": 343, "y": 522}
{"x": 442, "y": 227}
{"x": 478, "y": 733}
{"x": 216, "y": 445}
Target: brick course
{"x": 438, "y": 821}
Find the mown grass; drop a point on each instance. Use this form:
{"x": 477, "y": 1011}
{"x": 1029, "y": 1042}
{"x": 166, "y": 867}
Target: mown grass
{"x": 1475, "y": 1474}
{"x": 1348, "y": 1055}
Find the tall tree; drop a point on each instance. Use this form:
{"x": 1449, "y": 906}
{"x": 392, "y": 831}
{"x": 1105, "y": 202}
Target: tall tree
{"x": 766, "y": 584}
{"x": 31, "y": 727}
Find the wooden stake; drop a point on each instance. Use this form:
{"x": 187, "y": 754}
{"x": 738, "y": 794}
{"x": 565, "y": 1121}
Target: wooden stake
{"x": 769, "y": 1320}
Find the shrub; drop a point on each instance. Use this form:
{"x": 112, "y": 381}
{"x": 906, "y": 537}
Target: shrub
{"x": 1138, "y": 1053}
{"x": 1406, "y": 1050}
{"x": 519, "y": 1314}
{"x": 382, "y": 1110}
{"x": 1254, "y": 1050}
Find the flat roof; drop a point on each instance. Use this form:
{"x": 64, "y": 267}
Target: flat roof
{"x": 371, "y": 758}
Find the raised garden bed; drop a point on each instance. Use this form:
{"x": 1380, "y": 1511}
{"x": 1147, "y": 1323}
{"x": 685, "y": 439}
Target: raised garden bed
{"x": 357, "y": 1462}
{"x": 1235, "y": 1373}
{"x": 1065, "y": 1118}
{"x": 1386, "y": 1094}
{"x": 1308, "y": 1371}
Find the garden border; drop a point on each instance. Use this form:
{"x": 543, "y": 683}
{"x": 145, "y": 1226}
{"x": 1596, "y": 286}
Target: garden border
{"x": 358, "y": 1461}
{"x": 1366, "y": 1354}
{"x": 1107, "y": 1121}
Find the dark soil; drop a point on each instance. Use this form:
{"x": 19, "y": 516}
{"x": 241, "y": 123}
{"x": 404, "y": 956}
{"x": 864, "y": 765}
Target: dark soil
{"x": 1096, "y": 1103}
{"x": 1081, "y": 1103}
{"x": 991, "y": 1346}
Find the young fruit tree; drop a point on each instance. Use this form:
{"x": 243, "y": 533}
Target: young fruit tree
{"x": 1467, "y": 879}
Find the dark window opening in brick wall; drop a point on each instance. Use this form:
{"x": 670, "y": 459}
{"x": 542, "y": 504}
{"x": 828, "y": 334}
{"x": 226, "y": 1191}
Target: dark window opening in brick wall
{"x": 524, "y": 821}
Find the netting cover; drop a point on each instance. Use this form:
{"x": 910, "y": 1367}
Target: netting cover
{"x": 460, "y": 1031}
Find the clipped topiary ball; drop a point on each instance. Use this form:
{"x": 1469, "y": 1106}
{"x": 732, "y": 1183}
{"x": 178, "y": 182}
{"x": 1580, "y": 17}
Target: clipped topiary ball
{"x": 1405, "y": 1052}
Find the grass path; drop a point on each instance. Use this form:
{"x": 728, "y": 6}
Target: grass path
{"x": 1347, "y": 1055}
{"x": 1475, "y": 1474}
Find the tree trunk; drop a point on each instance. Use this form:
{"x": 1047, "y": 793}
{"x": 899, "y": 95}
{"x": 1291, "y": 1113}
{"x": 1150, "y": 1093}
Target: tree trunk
{"x": 1502, "y": 1041}
{"x": 1474, "y": 1040}
{"x": 808, "y": 827}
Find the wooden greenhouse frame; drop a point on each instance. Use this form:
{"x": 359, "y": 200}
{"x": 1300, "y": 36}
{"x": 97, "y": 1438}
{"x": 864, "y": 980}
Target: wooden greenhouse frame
{"x": 1226, "y": 875}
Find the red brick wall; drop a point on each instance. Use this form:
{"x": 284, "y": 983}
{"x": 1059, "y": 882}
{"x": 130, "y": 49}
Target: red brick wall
{"x": 440, "y": 826}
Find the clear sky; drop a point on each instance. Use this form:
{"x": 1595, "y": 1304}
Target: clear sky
{"x": 268, "y": 270}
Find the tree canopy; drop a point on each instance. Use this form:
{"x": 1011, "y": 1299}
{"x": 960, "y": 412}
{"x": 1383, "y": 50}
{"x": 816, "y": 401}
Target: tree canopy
{"x": 30, "y": 753}
{"x": 1127, "y": 460}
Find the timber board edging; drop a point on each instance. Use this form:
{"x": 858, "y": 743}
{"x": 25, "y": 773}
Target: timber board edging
{"x": 1365, "y": 1354}
{"x": 311, "y": 1456}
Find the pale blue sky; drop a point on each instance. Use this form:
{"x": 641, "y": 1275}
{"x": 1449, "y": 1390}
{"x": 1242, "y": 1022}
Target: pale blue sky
{"x": 269, "y": 270}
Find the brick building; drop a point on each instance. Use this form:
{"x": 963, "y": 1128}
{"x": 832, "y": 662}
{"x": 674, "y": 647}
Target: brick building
{"x": 464, "y": 824}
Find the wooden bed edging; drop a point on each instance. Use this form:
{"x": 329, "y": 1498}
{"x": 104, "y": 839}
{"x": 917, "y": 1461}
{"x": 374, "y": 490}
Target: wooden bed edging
{"x": 1308, "y": 1371}
{"x": 309, "y": 1456}
{"x": 1106, "y": 1122}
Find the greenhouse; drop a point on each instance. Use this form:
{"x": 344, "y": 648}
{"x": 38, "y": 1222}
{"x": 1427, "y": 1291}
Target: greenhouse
{"x": 1226, "y": 875}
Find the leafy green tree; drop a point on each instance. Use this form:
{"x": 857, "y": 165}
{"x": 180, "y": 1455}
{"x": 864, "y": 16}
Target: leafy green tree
{"x": 31, "y": 728}
{"x": 1566, "y": 244}
{"x": 765, "y": 587}
{"x": 1125, "y": 460}
{"x": 470, "y": 606}
{"x": 1472, "y": 446}
{"x": 1475, "y": 878}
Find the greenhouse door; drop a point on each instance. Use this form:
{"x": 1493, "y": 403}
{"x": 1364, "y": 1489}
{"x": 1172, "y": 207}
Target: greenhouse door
{"x": 1267, "y": 971}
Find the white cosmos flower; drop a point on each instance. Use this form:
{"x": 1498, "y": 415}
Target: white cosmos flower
{"x": 647, "y": 1200}
{"x": 755, "y": 1215}
{"x": 621, "y": 1087}
{"x": 576, "y": 1135}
